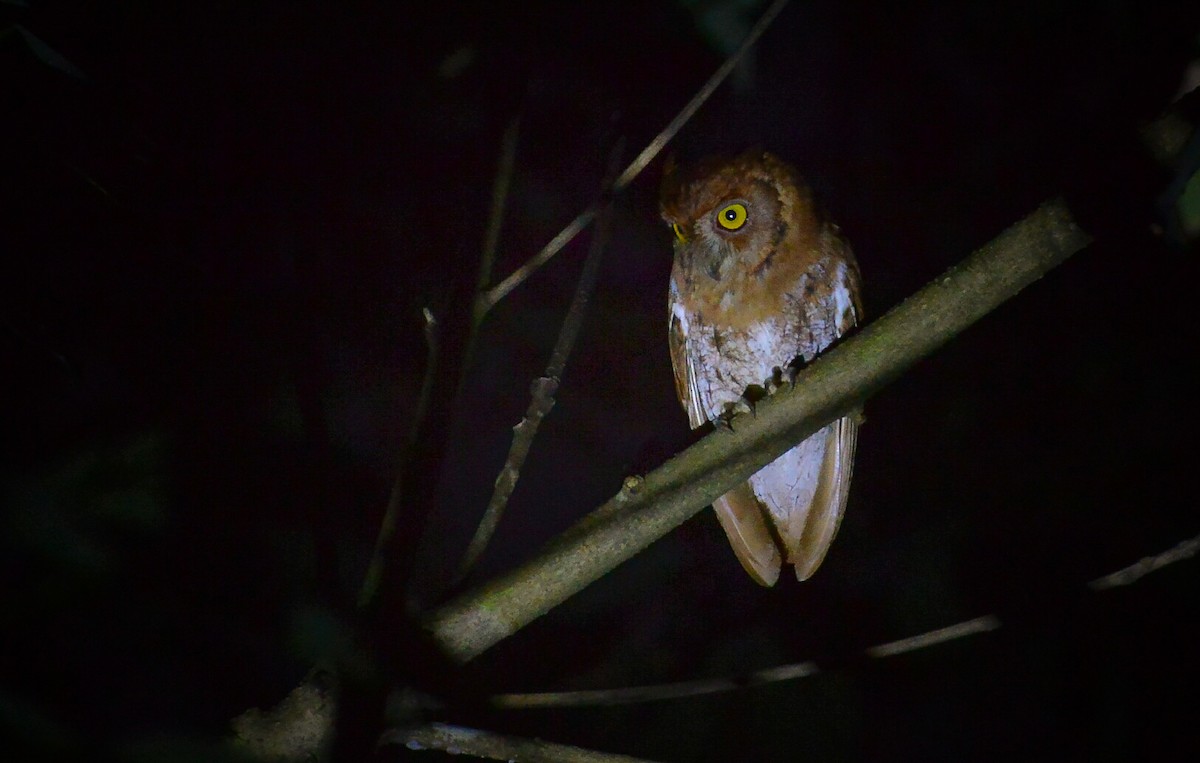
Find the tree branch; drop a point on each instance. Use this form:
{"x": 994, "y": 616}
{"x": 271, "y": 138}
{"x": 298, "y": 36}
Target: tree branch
{"x": 646, "y": 508}
{"x": 457, "y": 740}
{"x": 1138, "y": 570}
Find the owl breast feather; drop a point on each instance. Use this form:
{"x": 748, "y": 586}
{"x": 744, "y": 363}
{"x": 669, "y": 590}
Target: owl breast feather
{"x": 725, "y": 360}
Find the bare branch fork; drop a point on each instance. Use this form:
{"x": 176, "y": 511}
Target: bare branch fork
{"x": 544, "y": 387}
{"x": 369, "y": 590}
{"x": 648, "y": 507}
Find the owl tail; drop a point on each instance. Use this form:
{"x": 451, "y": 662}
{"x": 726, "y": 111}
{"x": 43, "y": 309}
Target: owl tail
{"x": 745, "y": 522}
{"x": 810, "y": 530}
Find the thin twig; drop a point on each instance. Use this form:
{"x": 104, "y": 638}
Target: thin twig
{"x": 387, "y": 527}
{"x": 457, "y": 740}
{"x": 660, "y": 141}
{"x": 655, "y": 692}
{"x": 934, "y": 637}
{"x": 564, "y": 237}
{"x": 1134, "y": 572}
{"x": 543, "y": 389}
{"x": 648, "y": 507}
{"x": 636, "y": 694}
{"x": 500, "y": 187}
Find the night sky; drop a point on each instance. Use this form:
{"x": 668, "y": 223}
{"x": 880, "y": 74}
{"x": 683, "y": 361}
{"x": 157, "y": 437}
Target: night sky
{"x": 221, "y": 222}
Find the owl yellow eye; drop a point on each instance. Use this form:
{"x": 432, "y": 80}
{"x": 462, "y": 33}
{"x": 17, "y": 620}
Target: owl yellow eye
{"x": 679, "y": 233}
{"x": 732, "y": 216}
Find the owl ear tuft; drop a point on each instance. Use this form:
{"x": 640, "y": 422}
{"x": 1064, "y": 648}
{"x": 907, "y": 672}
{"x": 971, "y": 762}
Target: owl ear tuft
{"x": 668, "y": 188}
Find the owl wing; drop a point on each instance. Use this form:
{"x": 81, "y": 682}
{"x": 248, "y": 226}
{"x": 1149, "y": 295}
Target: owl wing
{"x": 829, "y": 501}
{"x": 683, "y": 366}
{"x": 739, "y": 511}
{"x": 807, "y": 549}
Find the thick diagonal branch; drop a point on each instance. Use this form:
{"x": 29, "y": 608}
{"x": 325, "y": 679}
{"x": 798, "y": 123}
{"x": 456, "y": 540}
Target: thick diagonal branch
{"x": 648, "y": 507}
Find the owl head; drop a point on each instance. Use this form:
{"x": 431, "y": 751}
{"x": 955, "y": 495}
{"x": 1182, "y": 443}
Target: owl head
{"x": 733, "y": 213}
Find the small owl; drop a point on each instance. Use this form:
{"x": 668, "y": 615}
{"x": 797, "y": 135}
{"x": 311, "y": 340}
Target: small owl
{"x": 761, "y": 284}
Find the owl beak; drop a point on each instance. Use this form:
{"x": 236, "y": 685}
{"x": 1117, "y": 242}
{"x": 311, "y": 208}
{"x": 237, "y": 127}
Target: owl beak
{"x": 679, "y": 233}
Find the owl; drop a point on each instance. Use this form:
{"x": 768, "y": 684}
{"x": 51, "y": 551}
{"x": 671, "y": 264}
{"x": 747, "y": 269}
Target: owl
{"x": 761, "y": 284}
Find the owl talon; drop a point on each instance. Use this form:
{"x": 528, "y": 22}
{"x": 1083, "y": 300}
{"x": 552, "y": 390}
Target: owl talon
{"x": 778, "y": 378}
{"x": 747, "y": 402}
{"x": 792, "y": 372}
{"x": 743, "y": 405}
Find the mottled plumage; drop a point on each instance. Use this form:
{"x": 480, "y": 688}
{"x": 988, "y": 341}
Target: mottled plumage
{"x": 760, "y": 282}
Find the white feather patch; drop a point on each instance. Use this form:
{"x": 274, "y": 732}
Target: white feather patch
{"x": 842, "y": 302}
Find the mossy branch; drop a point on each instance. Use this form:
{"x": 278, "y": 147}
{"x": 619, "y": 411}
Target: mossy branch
{"x": 648, "y": 507}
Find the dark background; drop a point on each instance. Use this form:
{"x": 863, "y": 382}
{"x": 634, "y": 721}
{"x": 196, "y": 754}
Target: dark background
{"x": 217, "y": 243}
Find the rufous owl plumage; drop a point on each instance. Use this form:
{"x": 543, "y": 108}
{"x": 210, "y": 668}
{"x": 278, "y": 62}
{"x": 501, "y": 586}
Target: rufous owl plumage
{"x": 761, "y": 284}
